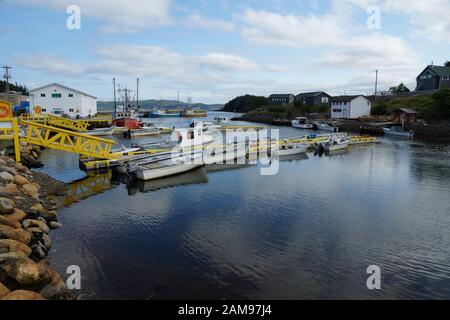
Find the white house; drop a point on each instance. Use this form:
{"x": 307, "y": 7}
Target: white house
{"x": 61, "y": 100}
{"x": 350, "y": 107}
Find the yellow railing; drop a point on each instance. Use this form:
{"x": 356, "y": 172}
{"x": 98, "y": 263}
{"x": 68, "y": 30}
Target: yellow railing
{"x": 75, "y": 125}
{"x": 65, "y": 140}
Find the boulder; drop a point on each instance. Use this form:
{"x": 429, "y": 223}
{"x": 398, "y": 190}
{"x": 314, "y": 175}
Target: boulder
{"x": 56, "y": 288}
{"x": 13, "y": 219}
{"x": 21, "y": 168}
{"x": 39, "y": 252}
{"x": 31, "y": 190}
{"x": 4, "y": 291}
{"x": 32, "y": 223}
{"x": 24, "y": 270}
{"x": 8, "y": 245}
{"x": 6, "y": 206}
{"x": 23, "y": 295}
{"x": 7, "y": 232}
{"x": 10, "y": 188}
{"x": 20, "y": 180}
{"x": 55, "y": 225}
{"x": 7, "y": 176}
{"x": 50, "y": 215}
{"x": 38, "y": 207}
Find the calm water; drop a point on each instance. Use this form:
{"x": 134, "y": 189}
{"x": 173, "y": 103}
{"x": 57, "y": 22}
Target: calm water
{"x": 308, "y": 232}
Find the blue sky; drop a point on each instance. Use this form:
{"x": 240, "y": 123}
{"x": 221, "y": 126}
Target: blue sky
{"x": 216, "y": 50}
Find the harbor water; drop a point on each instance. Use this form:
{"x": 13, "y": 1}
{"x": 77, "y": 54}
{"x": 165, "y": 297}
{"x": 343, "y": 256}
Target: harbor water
{"x": 308, "y": 232}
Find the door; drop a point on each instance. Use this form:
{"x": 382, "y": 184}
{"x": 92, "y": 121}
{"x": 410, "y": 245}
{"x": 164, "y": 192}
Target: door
{"x": 345, "y": 113}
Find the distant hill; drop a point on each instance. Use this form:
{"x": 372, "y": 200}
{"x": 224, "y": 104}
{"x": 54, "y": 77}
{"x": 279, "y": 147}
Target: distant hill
{"x": 164, "y": 104}
{"x": 245, "y": 103}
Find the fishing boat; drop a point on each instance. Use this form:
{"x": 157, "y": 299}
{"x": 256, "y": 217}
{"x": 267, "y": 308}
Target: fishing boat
{"x": 398, "y": 131}
{"x": 127, "y": 119}
{"x": 302, "y": 123}
{"x": 101, "y": 132}
{"x": 159, "y": 127}
{"x": 159, "y": 113}
{"x": 223, "y": 154}
{"x": 194, "y": 114}
{"x": 221, "y": 120}
{"x": 324, "y": 126}
{"x": 335, "y": 143}
{"x": 141, "y": 132}
{"x": 128, "y": 116}
{"x": 289, "y": 149}
{"x": 170, "y": 167}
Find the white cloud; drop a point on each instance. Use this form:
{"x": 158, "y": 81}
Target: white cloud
{"x": 226, "y": 62}
{"x": 210, "y": 24}
{"x": 51, "y": 64}
{"x": 289, "y": 30}
{"x": 120, "y": 16}
{"x": 430, "y": 18}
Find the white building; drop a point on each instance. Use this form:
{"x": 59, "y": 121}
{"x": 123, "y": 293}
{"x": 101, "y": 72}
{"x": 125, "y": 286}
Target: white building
{"x": 61, "y": 100}
{"x": 350, "y": 107}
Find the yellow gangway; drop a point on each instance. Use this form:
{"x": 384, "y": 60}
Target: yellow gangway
{"x": 69, "y": 141}
{"x": 49, "y": 119}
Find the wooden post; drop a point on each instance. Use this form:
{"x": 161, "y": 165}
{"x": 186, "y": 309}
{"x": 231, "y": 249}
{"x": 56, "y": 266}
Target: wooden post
{"x": 15, "y": 126}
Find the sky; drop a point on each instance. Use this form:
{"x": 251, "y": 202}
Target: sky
{"x": 215, "y": 50}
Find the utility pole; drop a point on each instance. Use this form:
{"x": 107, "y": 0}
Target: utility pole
{"x": 7, "y": 76}
{"x": 376, "y": 82}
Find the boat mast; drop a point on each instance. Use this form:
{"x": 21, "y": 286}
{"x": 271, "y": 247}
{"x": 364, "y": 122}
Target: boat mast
{"x": 137, "y": 95}
{"x": 115, "y": 100}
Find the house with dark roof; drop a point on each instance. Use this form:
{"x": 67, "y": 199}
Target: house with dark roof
{"x": 281, "y": 99}
{"x": 350, "y": 107}
{"x": 433, "y": 78}
{"x": 317, "y": 98}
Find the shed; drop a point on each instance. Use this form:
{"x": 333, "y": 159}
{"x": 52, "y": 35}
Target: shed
{"x": 405, "y": 115}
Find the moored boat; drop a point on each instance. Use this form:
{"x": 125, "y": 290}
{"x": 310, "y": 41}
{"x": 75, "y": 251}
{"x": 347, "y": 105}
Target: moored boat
{"x": 141, "y": 132}
{"x": 302, "y": 123}
{"x": 398, "y": 131}
{"x": 336, "y": 143}
{"x": 101, "y": 132}
{"x": 288, "y": 149}
{"x": 324, "y": 126}
{"x": 164, "y": 114}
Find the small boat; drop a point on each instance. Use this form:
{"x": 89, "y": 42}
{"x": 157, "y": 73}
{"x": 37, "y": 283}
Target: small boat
{"x": 336, "y": 143}
{"x": 170, "y": 167}
{"x": 398, "y": 131}
{"x": 221, "y": 120}
{"x": 164, "y": 114}
{"x": 101, "y": 132}
{"x": 161, "y": 128}
{"x": 194, "y": 114}
{"x": 302, "y": 123}
{"x": 324, "y": 126}
{"x": 289, "y": 149}
{"x": 141, "y": 132}
{"x": 223, "y": 154}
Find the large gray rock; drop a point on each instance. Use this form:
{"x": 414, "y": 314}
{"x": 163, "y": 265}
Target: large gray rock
{"x": 32, "y": 223}
{"x": 6, "y": 206}
{"x": 7, "y": 176}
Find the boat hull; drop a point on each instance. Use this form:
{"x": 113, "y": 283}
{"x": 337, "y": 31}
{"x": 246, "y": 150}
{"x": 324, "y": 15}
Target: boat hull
{"x": 334, "y": 147}
{"x": 394, "y": 133}
{"x": 303, "y": 126}
{"x": 101, "y": 132}
{"x": 152, "y": 174}
{"x": 127, "y": 123}
{"x": 291, "y": 151}
{"x": 164, "y": 115}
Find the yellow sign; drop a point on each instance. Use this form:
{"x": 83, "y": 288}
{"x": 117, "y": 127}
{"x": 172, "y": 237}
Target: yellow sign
{"x": 5, "y": 110}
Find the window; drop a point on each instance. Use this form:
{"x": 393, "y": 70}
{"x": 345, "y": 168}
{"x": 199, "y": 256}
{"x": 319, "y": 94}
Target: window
{"x": 44, "y": 110}
{"x": 42, "y": 95}
{"x": 324, "y": 99}
{"x": 56, "y": 95}
{"x": 70, "y": 95}
{"x": 70, "y": 110}
{"x": 445, "y": 78}
{"x": 337, "y": 110}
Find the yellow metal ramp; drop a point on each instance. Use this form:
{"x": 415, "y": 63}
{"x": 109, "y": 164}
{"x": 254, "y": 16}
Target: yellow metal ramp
{"x": 49, "y": 119}
{"x": 69, "y": 141}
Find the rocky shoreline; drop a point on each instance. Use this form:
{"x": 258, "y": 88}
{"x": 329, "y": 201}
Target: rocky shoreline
{"x": 26, "y": 217}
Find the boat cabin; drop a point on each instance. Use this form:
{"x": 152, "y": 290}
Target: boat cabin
{"x": 191, "y": 137}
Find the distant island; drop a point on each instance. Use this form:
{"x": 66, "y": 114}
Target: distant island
{"x": 163, "y": 104}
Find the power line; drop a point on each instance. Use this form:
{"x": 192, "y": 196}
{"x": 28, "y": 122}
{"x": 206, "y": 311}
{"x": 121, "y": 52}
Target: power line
{"x": 376, "y": 82}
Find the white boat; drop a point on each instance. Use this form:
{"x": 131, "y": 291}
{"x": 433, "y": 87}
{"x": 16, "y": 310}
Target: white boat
{"x": 302, "y": 123}
{"x": 159, "y": 127}
{"x": 223, "y": 154}
{"x": 141, "y": 132}
{"x": 323, "y": 126}
{"x": 221, "y": 120}
{"x": 289, "y": 149}
{"x": 398, "y": 132}
{"x": 101, "y": 132}
{"x": 336, "y": 143}
{"x": 170, "y": 167}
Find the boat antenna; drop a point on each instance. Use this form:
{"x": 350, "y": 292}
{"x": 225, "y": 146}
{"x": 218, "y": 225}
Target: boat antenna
{"x": 115, "y": 100}
{"x": 137, "y": 95}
